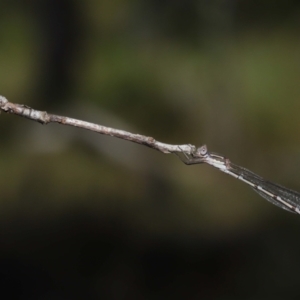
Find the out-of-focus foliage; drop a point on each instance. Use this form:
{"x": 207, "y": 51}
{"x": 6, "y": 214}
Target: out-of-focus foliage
{"x": 120, "y": 220}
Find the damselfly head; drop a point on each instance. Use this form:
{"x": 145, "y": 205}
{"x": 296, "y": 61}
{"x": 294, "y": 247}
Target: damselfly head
{"x": 201, "y": 151}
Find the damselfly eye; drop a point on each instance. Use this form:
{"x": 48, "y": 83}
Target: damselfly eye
{"x": 202, "y": 151}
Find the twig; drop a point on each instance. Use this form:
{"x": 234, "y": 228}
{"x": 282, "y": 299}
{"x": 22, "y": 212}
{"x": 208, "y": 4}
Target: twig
{"x": 44, "y": 118}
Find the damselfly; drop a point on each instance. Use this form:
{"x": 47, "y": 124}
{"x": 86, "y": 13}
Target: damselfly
{"x": 275, "y": 193}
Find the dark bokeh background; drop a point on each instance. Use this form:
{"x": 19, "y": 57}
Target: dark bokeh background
{"x": 85, "y": 216}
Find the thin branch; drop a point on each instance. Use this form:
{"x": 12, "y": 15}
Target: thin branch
{"x": 44, "y": 118}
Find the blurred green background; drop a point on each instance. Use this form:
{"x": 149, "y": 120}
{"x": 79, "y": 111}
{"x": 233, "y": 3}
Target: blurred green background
{"x": 85, "y": 216}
